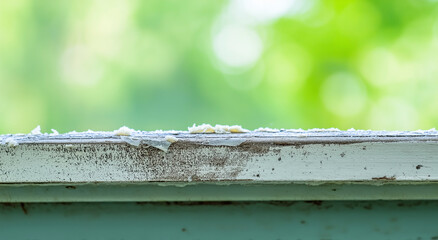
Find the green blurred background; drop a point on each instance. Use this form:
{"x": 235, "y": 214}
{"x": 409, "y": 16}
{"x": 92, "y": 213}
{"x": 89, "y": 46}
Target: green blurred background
{"x": 163, "y": 64}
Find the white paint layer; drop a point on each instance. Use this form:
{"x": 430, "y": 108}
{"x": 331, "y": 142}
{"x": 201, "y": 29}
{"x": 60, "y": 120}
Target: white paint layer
{"x": 145, "y": 166}
{"x": 255, "y": 157}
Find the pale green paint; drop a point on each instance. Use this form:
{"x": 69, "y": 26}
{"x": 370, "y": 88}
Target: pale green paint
{"x": 218, "y": 191}
{"x": 285, "y": 220}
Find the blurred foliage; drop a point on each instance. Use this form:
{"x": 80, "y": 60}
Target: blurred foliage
{"x": 84, "y": 64}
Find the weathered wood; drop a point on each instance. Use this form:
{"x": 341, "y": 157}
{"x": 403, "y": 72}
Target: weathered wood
{"x": 306, "y": 158}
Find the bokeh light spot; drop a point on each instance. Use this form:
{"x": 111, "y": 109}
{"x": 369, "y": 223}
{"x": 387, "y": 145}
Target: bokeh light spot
{"x": 107, "y": 22}
{"x": 237, "y": 46}
{"x": 343, "y": 94}
{"x": 288, "y": 66}
{"x": 80, "y": 66}
{"x": 262, "y": 10}
{"x": 381, "y": 67}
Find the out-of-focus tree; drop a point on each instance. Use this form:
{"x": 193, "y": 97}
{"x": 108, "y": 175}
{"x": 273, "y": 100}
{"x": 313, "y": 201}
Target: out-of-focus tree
{"x": 75, "y": 65}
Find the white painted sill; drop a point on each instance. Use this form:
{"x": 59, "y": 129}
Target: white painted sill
{"x": 300, "y": 165}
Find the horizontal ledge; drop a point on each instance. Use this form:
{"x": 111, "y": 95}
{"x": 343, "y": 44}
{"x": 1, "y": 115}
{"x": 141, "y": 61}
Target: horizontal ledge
{"x": 214, "y": 192}
{"x": 297, "y": 135}
{"x": 384, "y": 161}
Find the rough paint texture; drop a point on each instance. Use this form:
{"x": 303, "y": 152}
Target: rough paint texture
{"x": 331, "y": 156}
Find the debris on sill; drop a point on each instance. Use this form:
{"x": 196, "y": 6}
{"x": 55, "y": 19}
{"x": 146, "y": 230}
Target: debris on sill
{"x": 171, "y": 139}
{"x": 54, "y": 132}
{"x": 11, "y": 142}
{"x": 207, "y": 128}
{"x": 270, "y": 130}
{"x": 135, "y": 137}
{"x": 123, "y": 131}
{"x": 131, "y": 141}
{"x": 162, "y": 145}
{"x": 36, "y": 131}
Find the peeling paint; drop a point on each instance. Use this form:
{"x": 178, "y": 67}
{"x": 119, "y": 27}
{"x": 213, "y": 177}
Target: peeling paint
{"x": 131, "y": 141}
{"x": 10, "y": 142}
{"x": 36, "y": 131}
{"x": 171, "y": 139}
{"x": 123, "y": 131}
{"x": 160, "y": 144}
{"x": 149, "y": 157}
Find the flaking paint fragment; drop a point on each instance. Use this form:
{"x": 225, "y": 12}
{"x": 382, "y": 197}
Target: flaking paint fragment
{"x": 271, "y": 130}
{"x": 207, "y": 128}
{"x": 11, "y": 142}
{"x": 203, "y": 128}
{"x": 171, "y": 139}
{"x": 124, "y": 131}
{"x": 54, "y": 132}
{"x": 162, "y": 145}
{"x": 131, "y": 141}
{"x": 36, "y": 131}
